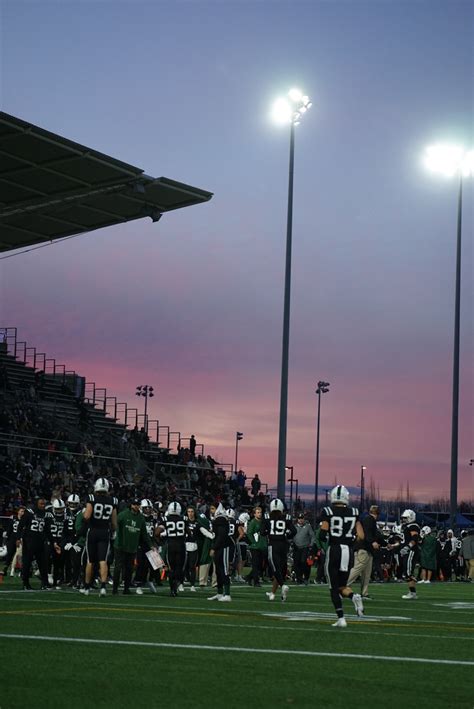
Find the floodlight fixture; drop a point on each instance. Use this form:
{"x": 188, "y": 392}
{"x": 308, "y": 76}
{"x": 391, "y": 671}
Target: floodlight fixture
{"x": 449, "y": 160}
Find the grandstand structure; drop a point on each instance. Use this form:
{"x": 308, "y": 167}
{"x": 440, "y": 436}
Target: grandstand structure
{"x": 52, "y": 188}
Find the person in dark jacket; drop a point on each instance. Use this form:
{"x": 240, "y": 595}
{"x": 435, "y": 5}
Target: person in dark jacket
{"x": 364, "y": 551}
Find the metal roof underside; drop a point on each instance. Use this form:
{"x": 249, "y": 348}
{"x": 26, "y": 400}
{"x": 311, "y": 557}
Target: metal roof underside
{"x": 51, "y": 188}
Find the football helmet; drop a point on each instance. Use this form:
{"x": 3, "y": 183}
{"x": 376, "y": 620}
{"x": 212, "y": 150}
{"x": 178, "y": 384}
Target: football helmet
{"x": 339, "y": 494}
{"x": 174, "y": 508}
{"x": 408, "y": 517}
{"x": 146, "y": 507}
{"x": 244, "y": 518}
{"x": 277, "y": 505}
{"x": 101, "y": 485}
{"x": 59, "y": 507}
{"x": 425, "y": 531}
{"x": 230, "y": 513}
{"x": 73, "y": 502}
{"x": 220, "y": 511}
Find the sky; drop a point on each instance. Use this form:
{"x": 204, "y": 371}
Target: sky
{"x": 193, "y": 305}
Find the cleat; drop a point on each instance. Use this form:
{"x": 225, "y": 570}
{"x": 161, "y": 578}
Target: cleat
{"x": 192, "y": 589}
{"x": 27, "y": 587}
{"x": 217, "y": 597}
{"x": 284, "y": 592}
{"x": 270, "y": 595}
{"x": 139, "y": 591}
{"x": 340, "y": 623}
{"x": 152, "y": 587}
{"x": 225, "y": 599}
{"x": 181, "y": 587}
{"x": 84, "y": 591}
{"x": 410, "y": 596}
{"x": 358, "y": 605}
{"x": 103, "y": 591}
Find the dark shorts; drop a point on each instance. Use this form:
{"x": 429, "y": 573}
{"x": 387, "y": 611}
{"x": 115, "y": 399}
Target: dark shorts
{"x": 97, "y": 545}
{"x": 339, "y": 561}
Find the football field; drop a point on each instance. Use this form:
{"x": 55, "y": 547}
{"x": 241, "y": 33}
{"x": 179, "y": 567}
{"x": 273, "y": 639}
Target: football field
{"x": 62, "y": 649}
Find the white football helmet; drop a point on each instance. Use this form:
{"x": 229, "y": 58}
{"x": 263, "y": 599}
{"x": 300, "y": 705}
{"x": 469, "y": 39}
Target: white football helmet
{"x": 425, "y": 531}
{"x": 73, "y": 502}
{"x": 174, "y": 508}
{"x": 220, "y": 511}
{"x": 277, "y": 505}
{"x": 230, "y": 513}
{"x": 59, "y": 507}
{"x": 146, "y": 507}
{"x": 244, "y": 518}
{"x": 101, "y": 485}
{"x": 339, "y": 494}
{"x": 408, "y": 517}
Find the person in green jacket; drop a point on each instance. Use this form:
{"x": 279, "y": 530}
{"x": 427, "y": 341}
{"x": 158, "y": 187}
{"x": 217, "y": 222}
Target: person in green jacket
{"x": 131, "y": 532}
{"x": 257, "y": 546}
{"x": 427, "y": 555}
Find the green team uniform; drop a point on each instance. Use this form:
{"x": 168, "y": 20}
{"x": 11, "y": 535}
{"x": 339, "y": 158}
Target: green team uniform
{"x": 204, "y": 543}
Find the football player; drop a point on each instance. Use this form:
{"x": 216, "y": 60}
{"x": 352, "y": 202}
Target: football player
{"x": 220, "y": 552}
{"x": 101, "y": 517}
{"x": 241, "y": 545}
{"x": 279, "y": 529}
{"x": 12, "y": 538}
{"x": 408, "y": 548}
{"x": 145, "y": 572}
{"x": 71, "y": 549}
{"x": 174, "y": 532}
{"x": 192, "y": 539}
{"x": 34, "y": 531}
{"x": 340, "y": 526}
{"x": 56, "y": 558}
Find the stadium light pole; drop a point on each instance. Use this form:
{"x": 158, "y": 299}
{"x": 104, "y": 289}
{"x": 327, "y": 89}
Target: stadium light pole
{"x": 238, "y": 437}
{"x": 453, "y": 161}
{"x": 291, "y": 480}
{"x": 323, "y": 388}
{"x": 362, "y": 487}
{"x": 287, "y": 110}
{"x": 147, "y": 392}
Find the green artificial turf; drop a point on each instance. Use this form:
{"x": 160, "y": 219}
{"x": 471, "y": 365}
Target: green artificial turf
{"x": 189, "y": 652}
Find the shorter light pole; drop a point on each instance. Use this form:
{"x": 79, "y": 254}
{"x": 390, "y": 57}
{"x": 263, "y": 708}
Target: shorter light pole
{"x": 146, "y": 391}
{"x": 296, "y": 493}
{"x": 362, "y": 487}
{"x": 238, "y": 437}
{"x": 323, "y": 388}
{"x": 291, "y": 480}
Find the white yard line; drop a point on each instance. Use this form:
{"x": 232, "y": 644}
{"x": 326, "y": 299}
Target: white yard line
{"x": 233, "y": 648}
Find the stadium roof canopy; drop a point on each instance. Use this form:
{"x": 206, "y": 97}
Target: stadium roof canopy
{"x": 51, "y": 188}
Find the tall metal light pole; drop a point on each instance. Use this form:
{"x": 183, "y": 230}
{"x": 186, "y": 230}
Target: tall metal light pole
{"x": 146, "y": 391}
{"x": 287, "y": 110}
{"x": 362, "y": 487}
{"x": 454, "y": 161}
{"x": 291, "y": 480}
{"x": 323, "y": 388}
{"x": 238, "y": 437}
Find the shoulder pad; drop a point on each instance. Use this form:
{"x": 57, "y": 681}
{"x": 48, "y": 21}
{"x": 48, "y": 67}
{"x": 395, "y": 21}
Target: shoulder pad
{"x": 327, "y": 511}
{"x": 115, "y": 501}
{"x": 90, "y": 498}
{"x": 266, "y": 515}
{"x": 288, "y": 518}
{"x": 355, "y": 511}
{"x": 28, "y": 509}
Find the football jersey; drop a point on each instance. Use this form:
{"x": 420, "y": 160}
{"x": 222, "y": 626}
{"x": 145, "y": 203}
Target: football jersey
{"x": 69, "y": 527}
{"x": 150, "y": 526}
{"x": 57, "y": 527}
{"x": 342, "y": 523}
{"x": 407, "y": 531}
{"x": 102, "y": 508}
{"x": 175, "y": 529}
{"x": 278, "y": 529}
{"x": 35, "y": 524}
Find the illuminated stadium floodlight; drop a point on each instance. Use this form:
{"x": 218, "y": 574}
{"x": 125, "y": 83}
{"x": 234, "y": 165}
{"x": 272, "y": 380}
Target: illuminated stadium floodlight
{"x": 453, "y": 161}
{"x": 147, "y": 392}
{"x": 286, "y": 111}
{"x": 449, "y": 160}
{"x": 291, "y": 108}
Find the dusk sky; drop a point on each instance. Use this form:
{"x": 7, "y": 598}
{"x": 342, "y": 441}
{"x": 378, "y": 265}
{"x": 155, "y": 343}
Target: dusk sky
{"x": 194, "y": 304}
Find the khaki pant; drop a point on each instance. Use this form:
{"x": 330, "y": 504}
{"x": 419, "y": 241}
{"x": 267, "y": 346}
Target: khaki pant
{"x": 363, "y": 568}
{"x": 204, "y": 573}
{"x": 470, "y": 569}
